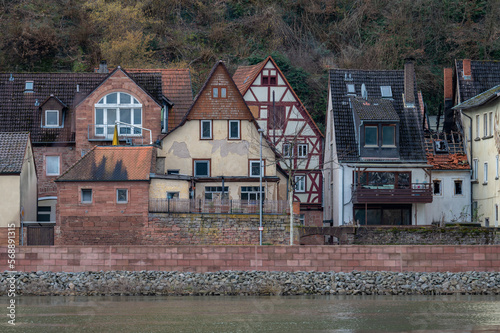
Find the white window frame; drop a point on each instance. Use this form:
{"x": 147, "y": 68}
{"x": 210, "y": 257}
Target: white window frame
{"x": 250, "y": 172}
{"x": 490, "y": 124}
{"x": 485, "y": 125}
{"x": 496, "y": 167}
{"x": 478, "y": 126}
{"x": 485, "y": 170}
{"x": 208, "y": 168}
{"x": 91, "y": 196}
{"x": 300, "y": 184}
{"x": 239, "y": 129}
{"x": 57, "y": 118}
{"x": 302, "y": 150}
{"x": 117, "y": 195}
{"x": 202, "y": 122}
{"x": 252, "y": 192}
{"x": 108, "y": 127}
{"x": 475, "y": 166}
{"x": 351, "y": 89}
{"x": 29, "y": 86}
{"x": 55, "y": 173}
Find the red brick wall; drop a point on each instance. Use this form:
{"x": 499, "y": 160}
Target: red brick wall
{"x": 67, "y": 155}
{"x": 267, "y": 258}
{"x": 313, "y": 218}
{"x": 119, "y": 82}
{"x": 103, "y": 221}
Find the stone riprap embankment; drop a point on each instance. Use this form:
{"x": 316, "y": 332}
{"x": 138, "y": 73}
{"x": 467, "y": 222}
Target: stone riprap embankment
{"x": 250, "y": 283}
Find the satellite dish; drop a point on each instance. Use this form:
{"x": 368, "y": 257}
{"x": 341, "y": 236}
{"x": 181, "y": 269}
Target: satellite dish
{"x": 364, "y": 93}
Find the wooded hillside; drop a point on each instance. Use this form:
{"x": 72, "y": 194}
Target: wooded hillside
{"x": 305, "y": 36}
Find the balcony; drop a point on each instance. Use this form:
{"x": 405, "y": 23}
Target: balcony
{"x": 125, "y": 133}
{"x": 413, "y": 193}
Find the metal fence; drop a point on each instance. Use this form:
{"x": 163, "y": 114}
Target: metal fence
{"x": 277, "y": 207}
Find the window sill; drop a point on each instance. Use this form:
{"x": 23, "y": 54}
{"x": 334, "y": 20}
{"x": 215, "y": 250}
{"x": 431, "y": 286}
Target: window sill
{"x": 485, "y": 183}
{"x": 487, "y": 137}
{"x": 477, "y": 139}
{"x": 474, "y": 181}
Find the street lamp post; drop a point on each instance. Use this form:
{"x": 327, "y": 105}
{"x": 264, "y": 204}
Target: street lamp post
{"x": 260, "y": 189}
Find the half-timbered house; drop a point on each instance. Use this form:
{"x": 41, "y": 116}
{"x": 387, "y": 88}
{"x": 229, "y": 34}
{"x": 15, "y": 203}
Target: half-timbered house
{"x": 290, "y": 128}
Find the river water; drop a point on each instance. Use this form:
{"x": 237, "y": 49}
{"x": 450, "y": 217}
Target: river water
{"x": 254, "y": 314}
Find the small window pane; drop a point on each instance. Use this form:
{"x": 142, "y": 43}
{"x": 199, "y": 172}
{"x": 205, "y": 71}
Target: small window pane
{"x": 29, "y": 85}
{"x": 112, "y": 98}
{"x": 121, "y": 195}
{"x": 52, "y": 165}
{"x": 371, "y": 136}
{"x": 234, "y": 129}
{"x": 124, "y": 116}
{"x": 201, "y": 168}
{"x": 172, "y": 195}
{"x": 99, "y": 116}
{"x": 86, "y": 195}
{"x": 223, "y": 92}
{"x": 254, "y": 169}
{"x": 125, "y": 98}
{"x": 206, "y": 129}
{"x": 388, "y": 135}
{"x": 458, "y": 187}
{"x": 137, "y": 117}
{"x": 351, "y": 89}
{"x": 216, "y": 92}
{"x": 52, "y": 118}
{"x": 386, "y": 91}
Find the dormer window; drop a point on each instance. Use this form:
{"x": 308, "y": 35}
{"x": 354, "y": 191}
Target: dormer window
{"x": 269, "y": 77}
{"x": 386, "y": 91}
{"x": 388, "y": 135}
{"x": 371, "y": 135}
{"x": 28, "y": 86}
{"x": 51, "y": 118}
{"x": 118, "y": 106}
{"x": 351, "y": 90}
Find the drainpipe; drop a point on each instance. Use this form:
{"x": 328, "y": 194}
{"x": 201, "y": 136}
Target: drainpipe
{"x": 472, "y": 162}
{"x": 342, "y": 202}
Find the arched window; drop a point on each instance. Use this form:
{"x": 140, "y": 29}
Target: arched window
{"x": 118, "y": 106}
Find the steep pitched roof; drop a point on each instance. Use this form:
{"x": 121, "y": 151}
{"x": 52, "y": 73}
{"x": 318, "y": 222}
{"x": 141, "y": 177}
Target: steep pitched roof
{"x": 112, "y": 163}
{"x": 20, "y": 109}
{"x": 246, "y": 75}
{"x": 484, "y": 75}
{"x": 12, "y": 151}
{"x": 480, "y": 99}
{"x": 411, "y": 139}
{"x": 176, "y": 85}
{"x": 207, "y": 107}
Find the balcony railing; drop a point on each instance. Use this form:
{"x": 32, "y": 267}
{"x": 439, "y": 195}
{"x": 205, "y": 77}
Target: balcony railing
{"x": 413, "y": 193}
{"x": 277, "y": 207}
{"x": 106, "y": 132}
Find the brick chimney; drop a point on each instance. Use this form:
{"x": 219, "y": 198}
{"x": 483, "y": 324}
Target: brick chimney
{"x": 467, "y": 71}
{"x": 409, "y": 84}
{"x": 448, "y": 83}
{"x": 449, "y": 114}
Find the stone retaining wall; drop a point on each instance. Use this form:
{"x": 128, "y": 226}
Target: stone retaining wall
{"x": 263, "y": 258}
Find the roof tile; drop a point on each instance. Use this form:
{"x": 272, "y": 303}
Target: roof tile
{"x": 12, "y": 151}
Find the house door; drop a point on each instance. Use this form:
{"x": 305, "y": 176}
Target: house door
{"x": 40, "y": 235}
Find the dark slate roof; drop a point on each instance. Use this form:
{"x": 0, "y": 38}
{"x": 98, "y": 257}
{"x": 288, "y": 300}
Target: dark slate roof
{"x": 12, "y": 151}
{"x": 411, "y": 133}
{"x": 112, "y": 163}
{"x": 374, "y": 109}
{"x": 480, "y": 99}
{"x": 19, "y": 111}
{"x": 484, "y": 75}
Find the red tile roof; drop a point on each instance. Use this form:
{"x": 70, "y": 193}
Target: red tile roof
{"x": 245, "y": 75}
{"x": 448, "y": 161}
{"x": 176, "y": 86}
{"x": 112, "y": 163}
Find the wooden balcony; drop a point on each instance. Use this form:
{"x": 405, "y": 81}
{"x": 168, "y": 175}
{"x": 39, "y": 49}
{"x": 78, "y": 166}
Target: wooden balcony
{"x": 415, "y": 193}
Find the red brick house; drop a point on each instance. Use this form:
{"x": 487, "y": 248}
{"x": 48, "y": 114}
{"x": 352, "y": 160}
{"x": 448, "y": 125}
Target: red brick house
{"x": 69, "y": 113}
{"x": 103, "y": 198}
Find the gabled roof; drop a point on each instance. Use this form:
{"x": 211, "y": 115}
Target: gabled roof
{"x": 246, "y": 75}
{"x": 411, "y": 141}
{"x": 480, "y": 99}
{"x": 374, "y": 109}
{"x": 112, "y": 163}
{"x": 12, "y": 152}
{"x": 19, "y": 109}
{"x": 484, "y": 75}
{"x": 176, "y": 85}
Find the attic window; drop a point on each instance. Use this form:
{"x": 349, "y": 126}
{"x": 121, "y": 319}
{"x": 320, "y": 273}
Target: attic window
{"x": 386, "y": 91}
{"x": 351, "y": 90}
{"x": 51, "y": 118}
{"x": 269, "y": 77}
{"x": 28, "y": 86}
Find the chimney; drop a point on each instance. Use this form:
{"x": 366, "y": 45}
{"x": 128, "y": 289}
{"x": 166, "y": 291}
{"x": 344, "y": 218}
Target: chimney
{"x": 409, "y": 84}
{"x": 103, "y": 67}
{"x": 448, "y": 83}
{"x": 467, "y": 71}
